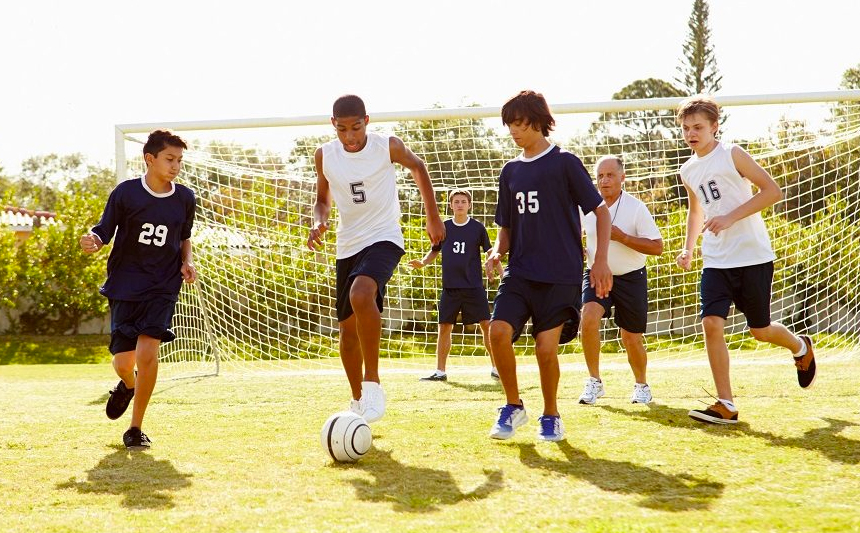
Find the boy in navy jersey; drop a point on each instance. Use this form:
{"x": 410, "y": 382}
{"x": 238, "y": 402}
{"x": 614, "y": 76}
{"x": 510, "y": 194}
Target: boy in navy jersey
{"x": 736, "y": 250}
{"x": 150, "y": 218}
{"x": 462, "y": 279}
{"x": 540, "y": 194}
{"x": 357, "y": 171}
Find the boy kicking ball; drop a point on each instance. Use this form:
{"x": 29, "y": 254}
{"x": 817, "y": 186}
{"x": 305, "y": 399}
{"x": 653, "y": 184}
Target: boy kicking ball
{"x": 736, "y": 250}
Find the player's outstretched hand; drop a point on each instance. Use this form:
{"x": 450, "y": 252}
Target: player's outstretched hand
{"x": 315, "y": 237}
{"x": 435, "y": 229}
{"x": 601, "y": 278}
{"x": 416, "y": 263}
{"x": 493, "y": 266}
{"x": 684, "y": 259}
{"x": 90, "y": 243}
{"x": 189, "y": 272}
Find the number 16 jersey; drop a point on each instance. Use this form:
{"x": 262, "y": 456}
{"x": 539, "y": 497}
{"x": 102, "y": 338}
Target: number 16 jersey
{"x": 145, "y": 260}
{"x": 720, "y": 189}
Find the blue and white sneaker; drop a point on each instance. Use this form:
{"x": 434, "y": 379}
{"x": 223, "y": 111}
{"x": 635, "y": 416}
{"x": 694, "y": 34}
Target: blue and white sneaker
{"x": 551, "y": 428}
{"x": 511, "y": 416}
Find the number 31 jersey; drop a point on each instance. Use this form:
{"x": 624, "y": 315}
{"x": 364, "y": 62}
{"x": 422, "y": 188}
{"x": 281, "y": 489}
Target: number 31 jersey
{"x": 364, "y": 187}
{"x": 149, "y": 228}
{"x": 720, "y": 189}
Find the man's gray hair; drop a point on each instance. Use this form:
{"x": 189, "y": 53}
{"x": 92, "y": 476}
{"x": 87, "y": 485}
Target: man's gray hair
{"x": 617, "y": 158}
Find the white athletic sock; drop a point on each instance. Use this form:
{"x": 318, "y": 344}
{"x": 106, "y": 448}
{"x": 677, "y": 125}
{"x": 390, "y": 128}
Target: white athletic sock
{"x": 440, "y": 372}
{"x": 802, "y": 351}
{"x": 729, "y": 405}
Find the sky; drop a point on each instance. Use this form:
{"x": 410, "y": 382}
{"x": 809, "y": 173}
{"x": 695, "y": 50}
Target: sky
{"x": 70, "y": 71}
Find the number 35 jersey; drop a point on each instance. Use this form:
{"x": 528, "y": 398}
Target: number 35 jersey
{"x": 364, "y": 187}
{"x": 148, "y": 229}
{"x": 720, "y": 189}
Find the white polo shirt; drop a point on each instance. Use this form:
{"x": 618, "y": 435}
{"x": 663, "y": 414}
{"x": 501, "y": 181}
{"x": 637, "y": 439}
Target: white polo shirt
{"x": 632, "y": 217}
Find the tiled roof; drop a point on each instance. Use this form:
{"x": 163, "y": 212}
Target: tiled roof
{"x": 22, "y": 219}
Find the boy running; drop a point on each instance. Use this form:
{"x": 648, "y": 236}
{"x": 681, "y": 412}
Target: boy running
{"x": 736, "y": 250}
{"x": 151, "y": 219}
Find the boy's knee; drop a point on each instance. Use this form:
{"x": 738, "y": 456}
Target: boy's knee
{"x": 761, "y": 334}
{"x": 501, "y": 332}
{"x": 713, "y": 324}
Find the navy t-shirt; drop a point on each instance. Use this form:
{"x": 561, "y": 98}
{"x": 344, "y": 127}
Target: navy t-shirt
{"x": 462, "y": 267}
{"x": 146, "y": 259}
{"x": 538, "y": 202}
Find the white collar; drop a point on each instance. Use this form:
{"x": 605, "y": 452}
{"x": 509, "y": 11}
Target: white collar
{"x": 157, "y": 194}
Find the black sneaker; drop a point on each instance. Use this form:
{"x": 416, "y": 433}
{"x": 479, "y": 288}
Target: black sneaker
{"x": 119, "y": 399}
{"x": 805, "y": 365}
{"x": 435, "y": 376}
{"x": 135, "y": 439}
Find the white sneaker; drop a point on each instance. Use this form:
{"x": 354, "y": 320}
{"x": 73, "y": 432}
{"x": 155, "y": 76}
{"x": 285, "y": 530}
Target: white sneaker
{"x": 372, "y": 401}
{"x": 592, "y": 391}
{"x": 641, "y": 393}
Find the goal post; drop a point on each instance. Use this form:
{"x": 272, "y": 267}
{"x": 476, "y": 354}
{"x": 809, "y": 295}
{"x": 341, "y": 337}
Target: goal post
{"x": 265, "y": 300}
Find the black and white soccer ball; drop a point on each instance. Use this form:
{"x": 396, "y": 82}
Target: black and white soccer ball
{"x": 346, "y": 437}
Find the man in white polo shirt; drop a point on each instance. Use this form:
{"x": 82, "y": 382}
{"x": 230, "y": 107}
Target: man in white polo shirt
{"x": 634, "y": 235}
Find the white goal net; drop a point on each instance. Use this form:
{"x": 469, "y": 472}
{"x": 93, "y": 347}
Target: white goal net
{"x": 265, "y": 301}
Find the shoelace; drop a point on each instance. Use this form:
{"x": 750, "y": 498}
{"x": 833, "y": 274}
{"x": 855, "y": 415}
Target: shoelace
{"x": 547, "y": 424}
{"x": 506, "y": 414}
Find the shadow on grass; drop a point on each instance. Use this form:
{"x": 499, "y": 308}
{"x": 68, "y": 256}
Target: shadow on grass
{"x": 665, "y": 492}
{"x": 144, "y": 482}
{"x": 825, "y": 440}
{"x": 413, "y": 489}
{"x": 494, "y": 386}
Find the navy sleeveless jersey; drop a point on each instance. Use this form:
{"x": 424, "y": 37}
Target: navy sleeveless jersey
{"x": 538, "y": 202}
{"x": 462, "y": 267}
{"x": 145, "y": 260}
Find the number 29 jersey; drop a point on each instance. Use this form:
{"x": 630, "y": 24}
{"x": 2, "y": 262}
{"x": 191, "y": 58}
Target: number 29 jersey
{"x": 145, "y": 260}
{"x": 539, "y": 202}
{"x": 720, "y": 189}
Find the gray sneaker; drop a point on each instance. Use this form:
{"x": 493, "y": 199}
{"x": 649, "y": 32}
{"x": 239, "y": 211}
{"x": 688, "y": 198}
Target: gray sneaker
{"x": 592, "y": 391}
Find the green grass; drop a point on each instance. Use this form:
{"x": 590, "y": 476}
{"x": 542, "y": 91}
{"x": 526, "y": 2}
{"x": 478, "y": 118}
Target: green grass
{"x": 242, "y": 453}
{"x": 58, "y": 349}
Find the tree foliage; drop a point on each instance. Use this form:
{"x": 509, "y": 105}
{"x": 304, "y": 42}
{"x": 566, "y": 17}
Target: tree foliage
{"x": 698, "y": 73}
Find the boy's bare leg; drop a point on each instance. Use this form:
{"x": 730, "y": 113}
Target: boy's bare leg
{"x": 546, "y": 350}
{"x": 506, "y": 362}
{"x": 362, "y": 296}
{"x": 147, "y": 373}
{"x": 443, "y": 345}
{"x": 718, "y": 355}
{"x": 350, "y": 354}
{"x": 778, "y": 334}
{"x": 485, "y": 333}
{"x": 123, "y": 365}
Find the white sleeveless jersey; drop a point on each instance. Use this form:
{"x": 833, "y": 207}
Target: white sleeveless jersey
{"x": 720, "y": 189}
{"x": 363, "y": 185}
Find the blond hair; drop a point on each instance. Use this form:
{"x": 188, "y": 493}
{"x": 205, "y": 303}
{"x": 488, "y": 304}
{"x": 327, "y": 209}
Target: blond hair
{"x": 699, "y": 103}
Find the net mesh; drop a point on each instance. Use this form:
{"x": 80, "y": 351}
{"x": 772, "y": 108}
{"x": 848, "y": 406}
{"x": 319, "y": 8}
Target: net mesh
{"x": 265, "y": 300}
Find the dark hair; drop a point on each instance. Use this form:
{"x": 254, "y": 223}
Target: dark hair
{"x": 348, "y": 105}
{"x": 530, "y": 107}
{"x": 699, "y": 103}
{"x": 159, "y": 140}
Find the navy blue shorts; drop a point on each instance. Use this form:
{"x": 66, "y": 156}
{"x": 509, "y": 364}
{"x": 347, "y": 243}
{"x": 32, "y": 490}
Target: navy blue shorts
{"x": 629, "y": 296}
{"x": 128, "y": 320}
{"x": 548, "y": 305}
{"x": 748, "y": 287}
{"x": 377, "y": 261}
{"x": 472, "y": 302}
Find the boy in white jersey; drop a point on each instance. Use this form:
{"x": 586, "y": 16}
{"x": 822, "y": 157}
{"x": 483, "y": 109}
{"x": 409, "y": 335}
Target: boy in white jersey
{"x": 634, "y": 234}
{"x": 357, "y": 171}
{"x": 738, "y": 259}
{"x": 463, "y": 290}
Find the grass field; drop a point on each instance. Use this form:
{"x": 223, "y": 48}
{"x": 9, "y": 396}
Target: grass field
{"x": 242, "y": 453}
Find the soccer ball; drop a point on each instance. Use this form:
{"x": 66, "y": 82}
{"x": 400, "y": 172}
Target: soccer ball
{"x": 346, "y": 437}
